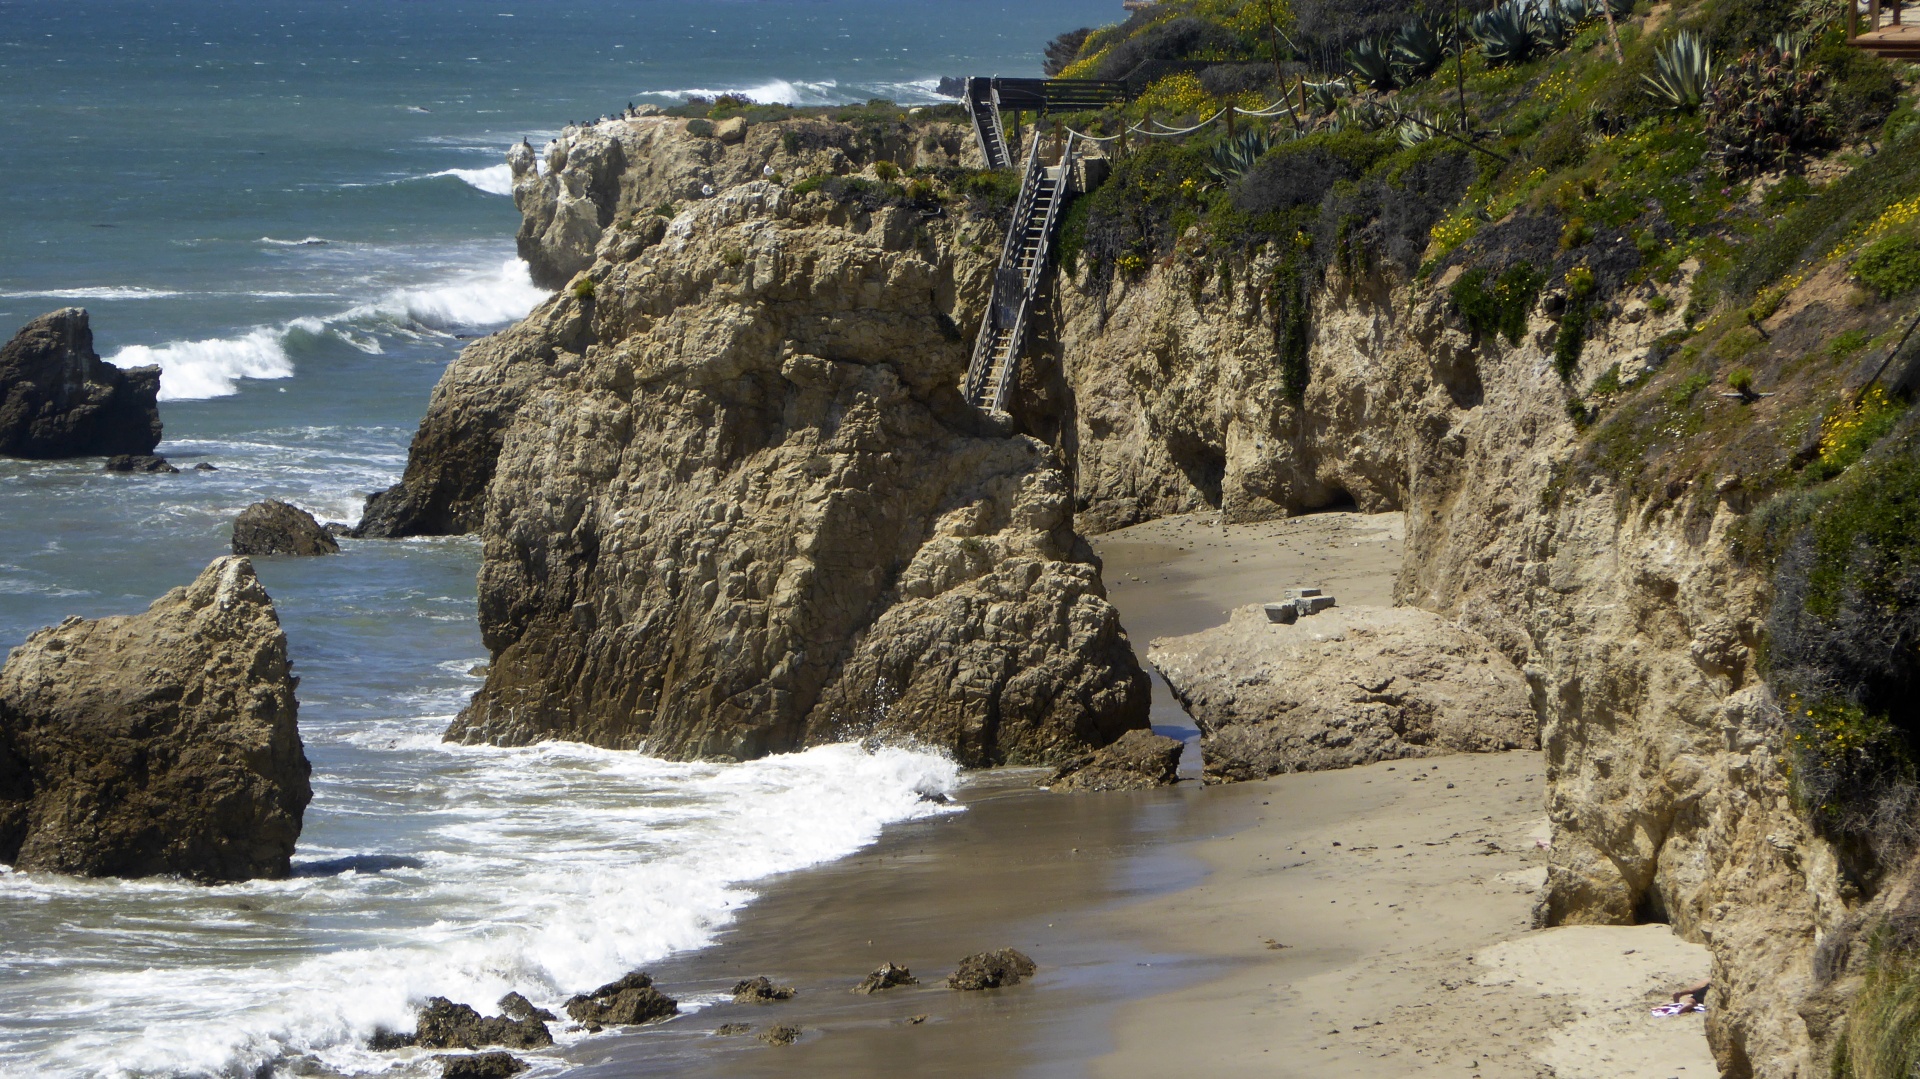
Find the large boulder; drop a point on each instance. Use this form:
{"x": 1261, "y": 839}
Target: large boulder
{"x": 274, "y": 527}
{"x": 157, "y": 743}
{"x": 1349, "y": 686}
{"x": 58, "y": 398}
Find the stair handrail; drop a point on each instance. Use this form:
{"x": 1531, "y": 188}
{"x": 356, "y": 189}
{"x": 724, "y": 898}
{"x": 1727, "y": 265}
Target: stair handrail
{"x": 981, "y": 364}
{"x": 1036, "y": 272}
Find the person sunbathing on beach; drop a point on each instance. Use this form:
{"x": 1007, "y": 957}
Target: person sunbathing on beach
{"x": 1691, "y": 999}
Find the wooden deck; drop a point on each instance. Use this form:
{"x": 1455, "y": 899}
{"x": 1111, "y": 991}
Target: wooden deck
{"x": 1881, "y": 30}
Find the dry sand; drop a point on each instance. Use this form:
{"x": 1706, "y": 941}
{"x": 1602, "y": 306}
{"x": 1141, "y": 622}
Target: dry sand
{"x": 1372, "y": 921}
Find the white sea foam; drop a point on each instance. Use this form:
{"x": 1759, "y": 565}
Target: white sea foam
{"x": 192, "y": 370}
{"x": 825, "y": 92}
{"x": 772, "y": 92}
{"x": 311, "y": 241}
{"x": 494, "y": 179}
{"x": 97, "y": 292}
{"x": 546, "y": 870}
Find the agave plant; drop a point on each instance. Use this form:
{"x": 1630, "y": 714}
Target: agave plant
{"x": 1596, "y": 9}
{"x": 1365, "y": 114}
{"x": 1789, "y": 45}
{"x": 1416, "y": 127}
{"x": 1504, "y": 33}
{"x": 1682, "y": 72}
{"x": 1233, "y": 157}
{"x": 1324, "y": 97}
{"x": 1418, "y": 49}
{"x": 1554, "y": 22}
{"x": 1371, "y": 62}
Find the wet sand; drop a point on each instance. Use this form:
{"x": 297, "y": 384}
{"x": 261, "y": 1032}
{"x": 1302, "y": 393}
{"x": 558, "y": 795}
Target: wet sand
{"x": 1372, "y": 921}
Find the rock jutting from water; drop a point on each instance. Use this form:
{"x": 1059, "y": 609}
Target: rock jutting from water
{"x": 1138, "y": 760}
{"x": 761, "y": 990}
{"x": 731, "y": 499}
{"x": 1349, "y": 686}
{"x": 444, "y": 1024}
{"x": 630, "y": 1000}
{"x": 887, "y": 977}
{"x": 158, "y": 743}
{"x": 992, "y": 970}
{"x": 58, "y": 398}
{"x": 273, "y": 527}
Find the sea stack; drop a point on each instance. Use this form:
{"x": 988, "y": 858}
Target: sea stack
{"x": 58, "y": 398}
{"x": 273, "y": 527}
{"x": 162, "y": 743}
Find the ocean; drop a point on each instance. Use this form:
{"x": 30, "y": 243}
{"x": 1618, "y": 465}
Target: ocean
{"x": 300, "y": 210}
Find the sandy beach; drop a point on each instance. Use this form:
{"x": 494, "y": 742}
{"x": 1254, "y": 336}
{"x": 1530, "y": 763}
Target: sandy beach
{"x": 1373, "y": 921}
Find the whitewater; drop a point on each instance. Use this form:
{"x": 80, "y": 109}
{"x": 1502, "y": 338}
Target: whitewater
{"x": 301, "y": 213}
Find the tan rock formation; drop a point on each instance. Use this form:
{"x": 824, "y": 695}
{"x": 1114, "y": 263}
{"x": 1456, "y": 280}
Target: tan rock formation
{"x": 732, "y": 501}
{"x": 619, "y": 172}
{"x": 1347, "y": 686}
{"x": 1637, "y": 629}
{"x": 156, "y": 743}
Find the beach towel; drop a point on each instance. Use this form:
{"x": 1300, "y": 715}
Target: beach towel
{"x": 1678, "y": 1008}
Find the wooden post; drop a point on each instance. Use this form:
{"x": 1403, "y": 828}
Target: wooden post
{"x": 1873, "y": 15}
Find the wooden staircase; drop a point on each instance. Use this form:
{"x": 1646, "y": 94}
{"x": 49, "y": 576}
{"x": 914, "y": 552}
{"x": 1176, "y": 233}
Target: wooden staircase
{"x": 1878, "y": 28}
{"x": 986, "y": 122}
{"x": 1016, "y": 282}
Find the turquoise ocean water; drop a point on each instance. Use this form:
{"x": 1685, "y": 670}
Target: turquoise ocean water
{"x": 298, "y": 209}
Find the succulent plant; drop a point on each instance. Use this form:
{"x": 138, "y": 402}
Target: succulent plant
{"x": 1763, "y": 109}
{"x": 1505, "y": 33}
{"x": 1371, "y": 62}
{"x": 1324, "y": 97}
{"x": 1682, "y": 72}
{"x": 1419, "y": 49}
{"x": 1416, "y": 127}
{"x": 1233, "y": 157}
{"x": 1555, "y": 21}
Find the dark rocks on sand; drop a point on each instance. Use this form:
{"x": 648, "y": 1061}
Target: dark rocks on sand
{"x": 156, "y": 743}
{"x": 760, "y": 991}
{"x": 728, "y": 1030}
{"x": 1137, "y": 760}
{"x": 992, "y": 970}
{"x": 58, "y": 398}
{"x": 632, "y": 999}
{"x": 481, "y": 1066}
{"x": 274, "y": 527}
{"x": 515, "y": 1006}
{"x": 781, "y": 1035}
{"x": 140, "y": 462}
{"x": 446, "y": 1025}
{"x": 886, "y": 977}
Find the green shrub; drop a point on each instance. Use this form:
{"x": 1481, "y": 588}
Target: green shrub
{"x": 1572, "y": 334}
{"x": 1889, "y": 266}
{"x": 583, "y": 289}
{"x": 1500, "y": 308}
{"x": 666, "y": 209}
{"x": 733, "y": 256}
{"x": 700, "y": 128}
{"x": 809, "y": 185}
{"x": 1764, "y": 108}
{"x": 886, "y": 170}
{"x": 1740, "y": 379}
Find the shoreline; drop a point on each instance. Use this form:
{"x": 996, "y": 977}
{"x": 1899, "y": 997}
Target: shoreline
{"x": 1401, "y": 894}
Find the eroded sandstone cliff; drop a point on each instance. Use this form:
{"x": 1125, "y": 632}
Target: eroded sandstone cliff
{"x": 731, "y": 499}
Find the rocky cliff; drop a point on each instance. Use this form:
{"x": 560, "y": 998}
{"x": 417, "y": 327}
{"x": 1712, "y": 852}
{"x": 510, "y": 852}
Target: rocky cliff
{"x": 731, "y": 499}
{"x": 1637, "y": 626}
{"x": 157, "y": 743}
{"x": 59, "y": 399}
{"x": 731, "y": 503}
